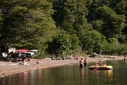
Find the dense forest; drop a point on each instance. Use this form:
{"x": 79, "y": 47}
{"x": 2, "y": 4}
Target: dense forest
{"x": 64, "y": 27}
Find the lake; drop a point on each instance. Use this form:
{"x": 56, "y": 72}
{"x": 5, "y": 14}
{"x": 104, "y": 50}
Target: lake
{"x": 71, "y": 75}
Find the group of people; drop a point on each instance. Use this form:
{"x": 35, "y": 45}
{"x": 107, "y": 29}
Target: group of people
{"x": 83, "y": 62}
{"x": 102, "y": 65}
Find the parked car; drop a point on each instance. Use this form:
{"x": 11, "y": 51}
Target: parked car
{"x": 33, "y": 52}
{"x": 19, "y": 55}
{"x": 93, "y": 55}
{"x": 3, "y": 54}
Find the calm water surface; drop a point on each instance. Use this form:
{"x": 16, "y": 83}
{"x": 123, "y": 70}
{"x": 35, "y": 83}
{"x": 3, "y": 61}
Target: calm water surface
{"x": 71, "y": 75}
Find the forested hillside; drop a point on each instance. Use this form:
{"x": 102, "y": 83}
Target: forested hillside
{"x": 62, "y": 27}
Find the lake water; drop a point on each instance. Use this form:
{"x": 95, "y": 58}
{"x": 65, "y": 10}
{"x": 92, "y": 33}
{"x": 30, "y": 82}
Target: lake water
{"x": 71, "y": 75}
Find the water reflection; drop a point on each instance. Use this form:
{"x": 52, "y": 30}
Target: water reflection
{"x": 98, "y": 77}
{"x": 107, "y": 75}
{"x": 125, "y": 60}
{"x": 82, "y": 72}
{"x": 84, "y": 75}
{"x": 24, "y": 77}
{"x": 96, "y": 72}
{"x": 32, "y": 77}
{"x": 2, "y": 81}
{"x": 70, "y": 75}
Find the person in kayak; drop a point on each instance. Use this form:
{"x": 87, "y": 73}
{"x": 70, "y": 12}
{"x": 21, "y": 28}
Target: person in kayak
{"x": 104, "y": 64}
{"x": 96, "y": 64}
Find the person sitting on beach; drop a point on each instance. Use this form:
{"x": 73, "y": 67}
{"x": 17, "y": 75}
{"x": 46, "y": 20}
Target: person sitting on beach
{"x": 24, "y": 62}
{"x": 38, "y": 62}
{"x": 104, "y": 64}
{"x": 81, "y": 62}
{"x": 96, "y": 64}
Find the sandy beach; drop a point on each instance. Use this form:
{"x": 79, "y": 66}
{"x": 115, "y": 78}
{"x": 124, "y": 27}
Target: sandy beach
{"x": 10, "y": 68}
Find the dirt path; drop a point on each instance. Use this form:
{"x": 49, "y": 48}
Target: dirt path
{"x": 9, "y": 68}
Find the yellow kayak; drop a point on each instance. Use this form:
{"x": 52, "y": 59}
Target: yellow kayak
{"x": 100, "y": 68}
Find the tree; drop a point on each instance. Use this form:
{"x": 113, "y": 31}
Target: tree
{"x": 61, "y": 44}
{"x": 121, "y": 8}
{"x": 93, "y": 41}
{"x": 114, "y": 45}
{"x": 27, "y": 23}
{"x": 113, "y": 23}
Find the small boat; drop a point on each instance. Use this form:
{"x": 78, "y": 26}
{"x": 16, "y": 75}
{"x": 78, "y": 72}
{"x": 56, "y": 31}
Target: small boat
{"x": 101, "y": 68}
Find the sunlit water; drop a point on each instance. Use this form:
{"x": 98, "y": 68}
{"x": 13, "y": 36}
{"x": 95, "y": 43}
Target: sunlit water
{"x": 71, "y": 75}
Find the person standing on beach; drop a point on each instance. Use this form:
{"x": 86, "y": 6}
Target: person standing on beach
{"x": 85, "y": 61}
{"x": 125, "y": 56}
{"x": 81, "y": 62}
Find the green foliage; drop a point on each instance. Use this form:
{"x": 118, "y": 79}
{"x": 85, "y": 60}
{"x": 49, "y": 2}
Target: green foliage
{"x": 122, "y": 49}
{"x": 113, "y": 44}
{"x": 64, "y": 26}
{"x": 29, "y": 24}
{"x": 75, "y": 42}
{"x": 115, "y": 47}
{"x": 98, "y": 25}
{"x": 93, "y": 41}
{"x": 113, "y": 23}
{"x": 60, "y": 44}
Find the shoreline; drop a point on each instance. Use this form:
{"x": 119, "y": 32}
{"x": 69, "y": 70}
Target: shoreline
{"x": 10, "y": 68}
